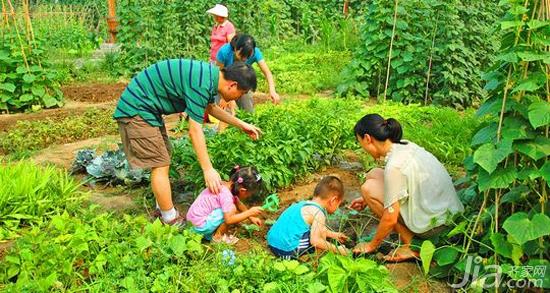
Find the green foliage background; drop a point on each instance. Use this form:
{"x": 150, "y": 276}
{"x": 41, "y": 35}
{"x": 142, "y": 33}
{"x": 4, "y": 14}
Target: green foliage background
{"x": 456, "y": 36}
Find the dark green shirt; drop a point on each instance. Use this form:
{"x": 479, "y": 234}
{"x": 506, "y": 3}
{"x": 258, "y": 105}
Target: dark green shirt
{"x": 168, "y": 87}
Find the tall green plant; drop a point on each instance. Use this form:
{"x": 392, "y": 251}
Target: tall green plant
{"x": 437, "y": 51}
{"x": 26, "y": 80}
{"x": 30, "y": 195}
{"x": 158, "y": 29}
{"x": 508, "y": 224}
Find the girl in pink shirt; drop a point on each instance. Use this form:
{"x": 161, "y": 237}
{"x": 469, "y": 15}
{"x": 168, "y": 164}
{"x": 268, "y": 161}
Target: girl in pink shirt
{"x": 222, "y": 32}
{"x": 211, "y": 213}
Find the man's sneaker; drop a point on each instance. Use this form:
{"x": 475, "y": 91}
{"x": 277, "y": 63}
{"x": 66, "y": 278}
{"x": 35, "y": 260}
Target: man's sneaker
{"x": 178, "y": 221}
{"x": 155, "y": 215}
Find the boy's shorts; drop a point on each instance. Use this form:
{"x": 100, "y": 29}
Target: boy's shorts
{"x": 304, "y": 247}
{"x": 213, "y": 221}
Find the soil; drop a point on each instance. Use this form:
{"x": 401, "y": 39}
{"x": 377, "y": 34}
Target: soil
{"x": 63, "y": 155}
{"x": 93, "y": 93}
{"x": 71, "y": 108}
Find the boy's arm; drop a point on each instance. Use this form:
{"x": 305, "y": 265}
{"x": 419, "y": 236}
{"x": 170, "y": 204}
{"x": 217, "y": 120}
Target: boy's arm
{"x": 318, "y": 235}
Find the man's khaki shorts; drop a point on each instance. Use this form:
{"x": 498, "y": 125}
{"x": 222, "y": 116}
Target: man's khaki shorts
{"x": 145, "y": 146}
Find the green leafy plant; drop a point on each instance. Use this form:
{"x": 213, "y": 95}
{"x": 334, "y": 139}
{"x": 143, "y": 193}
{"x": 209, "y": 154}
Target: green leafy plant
{"x": 300, "y": 69}
{"x": 506, "y": 187}
{"x": 27, "y": 81}
{"x": 38, "y": 134}
{"x": 250, "y": 229}
{"x": 423, "y": 51}
{"x": 345, "y": 274}
{"x": 110, "y": 168}
{"x": 32, "y": 194}
{"x": 297, "y": 140}
{"x": 185, "y": 32}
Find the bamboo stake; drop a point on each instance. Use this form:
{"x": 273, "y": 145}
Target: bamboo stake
{"x": 430, "y": 64}
{"x": 23, "y": 54}
{"x": 391, "y": 47}
{"x": 506, "y": 85}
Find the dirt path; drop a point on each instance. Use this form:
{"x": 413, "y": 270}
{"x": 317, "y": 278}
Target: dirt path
{"x": 93, "y": 93}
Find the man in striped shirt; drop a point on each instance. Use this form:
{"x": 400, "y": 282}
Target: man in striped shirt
{"x": 174, "y": 86}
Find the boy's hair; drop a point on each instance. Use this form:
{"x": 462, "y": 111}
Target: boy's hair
{"x": 243, "y": 74}
{"x": 329, "y": 186}
{"x": 245, "y": 177}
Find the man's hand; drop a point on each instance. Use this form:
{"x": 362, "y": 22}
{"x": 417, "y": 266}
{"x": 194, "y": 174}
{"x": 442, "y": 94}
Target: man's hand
{"x": 358, "y": 204}
{"x": 252, "y": 131}
{"x": 275, "y": 97}
{"x": 213, "y": 180}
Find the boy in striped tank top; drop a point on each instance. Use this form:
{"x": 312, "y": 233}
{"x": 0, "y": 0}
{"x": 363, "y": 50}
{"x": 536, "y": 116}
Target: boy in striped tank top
{"x": 302, "y": 227}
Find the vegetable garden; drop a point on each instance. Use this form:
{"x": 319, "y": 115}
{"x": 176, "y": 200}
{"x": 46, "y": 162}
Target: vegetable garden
{"x": 468, "y": 81}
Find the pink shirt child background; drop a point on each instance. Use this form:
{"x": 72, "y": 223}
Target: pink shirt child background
{"x": 219, "y": 37}
{"x": 207, "y": 202}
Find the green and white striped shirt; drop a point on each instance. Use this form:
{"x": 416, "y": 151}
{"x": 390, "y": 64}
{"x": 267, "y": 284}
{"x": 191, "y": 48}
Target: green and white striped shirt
{"x": 168, "y": 87}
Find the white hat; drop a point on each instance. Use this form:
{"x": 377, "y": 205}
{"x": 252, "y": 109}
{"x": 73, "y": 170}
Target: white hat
{"x": 219, "y": 10}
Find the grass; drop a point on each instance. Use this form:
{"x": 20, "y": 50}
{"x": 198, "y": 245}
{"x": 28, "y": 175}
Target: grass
{"x": 303, "y": 70}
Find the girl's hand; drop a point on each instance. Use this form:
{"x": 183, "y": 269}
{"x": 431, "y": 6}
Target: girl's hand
{"x": 275, "y": 97}
{"x": 256, "y": 221}
{"x": 255, "y": 211}
{"x": 213, "y": 180}
{"x": 358, "y": 204}
{"x": 252, "y": 131}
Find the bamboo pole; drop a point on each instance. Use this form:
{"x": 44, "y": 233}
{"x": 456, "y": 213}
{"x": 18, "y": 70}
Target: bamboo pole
{"x": 391, "y": 47}
{"x": 430, "y": 64}
{"x": 23, "y": 54}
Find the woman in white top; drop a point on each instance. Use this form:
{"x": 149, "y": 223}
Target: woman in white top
{"x": 413, "y": 195}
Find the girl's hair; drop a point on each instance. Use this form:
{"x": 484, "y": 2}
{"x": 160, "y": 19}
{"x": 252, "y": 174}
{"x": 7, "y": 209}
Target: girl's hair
{"x": 245, "y": 177}
{"x": 379, "y": 128}
{"x": 243, "y": 42}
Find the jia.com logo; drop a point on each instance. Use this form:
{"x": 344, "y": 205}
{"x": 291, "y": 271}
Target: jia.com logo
{"x": 523, "y": 277}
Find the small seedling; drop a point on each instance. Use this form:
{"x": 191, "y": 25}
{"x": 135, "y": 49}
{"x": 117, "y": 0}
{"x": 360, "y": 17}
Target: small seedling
{"x": 270, "y": 222}
{"x": 251, "y": 228}
{"x": 271, "y": 203}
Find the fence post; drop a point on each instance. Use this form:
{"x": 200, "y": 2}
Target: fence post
{"x": 112, "y": 23}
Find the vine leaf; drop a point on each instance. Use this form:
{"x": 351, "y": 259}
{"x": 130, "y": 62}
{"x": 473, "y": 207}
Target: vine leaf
{"x": 522, "y": 229}
{"x": 488, "y": 156}
{"x": 539, "y": 114}
{"x": 426, "y": 253}
{"x": 535, "y": 149}
{"x": 502, "y": 178}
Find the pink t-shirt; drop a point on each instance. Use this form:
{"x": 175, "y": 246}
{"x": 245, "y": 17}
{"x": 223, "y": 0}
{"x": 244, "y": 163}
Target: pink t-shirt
{"x": 207, "y": 202}
{"x": 219, "y": 37}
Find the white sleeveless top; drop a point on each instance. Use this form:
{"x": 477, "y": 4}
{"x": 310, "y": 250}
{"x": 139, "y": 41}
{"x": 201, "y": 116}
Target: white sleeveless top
{"x": 421, "y": 184}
